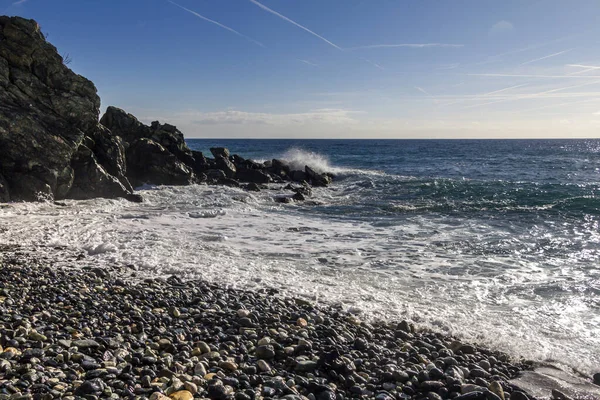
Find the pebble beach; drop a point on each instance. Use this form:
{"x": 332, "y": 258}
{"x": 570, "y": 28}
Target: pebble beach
{"x": 74, "y": 331}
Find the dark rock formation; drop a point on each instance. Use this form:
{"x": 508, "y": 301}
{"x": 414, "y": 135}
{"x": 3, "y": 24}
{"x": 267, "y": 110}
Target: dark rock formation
{"x": 149, "y": 162}
{"x": 4, "y": 194}
{"x": 219, "y": 152}
{"x": 315, "y": 178}
{"x": 48, "y": 122}
{"x": 53, "y": 147}
{"x": 253, "y": 176}
{"x": 226, "y": 166}
{"x": 169, "y": 161}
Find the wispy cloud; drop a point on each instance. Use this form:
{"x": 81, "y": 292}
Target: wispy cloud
{"x": 235, "y": 117}
{"x": 308, "y": 63}
{"x": 501, "y": 27}
{"x": 216, "y": 23}
{"x": 534, "y": 95}
{"x": 295, "y": 23}
{"x": 535, "y": 76}
{"x": 16, "y": 3}
{"x": 548, "y": 56}
{"x": 411, "y": 45}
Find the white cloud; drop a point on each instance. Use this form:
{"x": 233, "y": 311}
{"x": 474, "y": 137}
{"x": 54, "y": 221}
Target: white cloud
{"x": 501, "y": 27}
{"x": 331, "y": 116}
{"x": 16, "y": 3}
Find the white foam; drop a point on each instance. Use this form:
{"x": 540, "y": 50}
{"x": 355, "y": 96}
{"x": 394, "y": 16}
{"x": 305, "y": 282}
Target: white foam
{"x": 421, "y": 268}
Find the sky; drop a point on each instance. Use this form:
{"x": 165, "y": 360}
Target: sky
{"x": 338, "y": 68}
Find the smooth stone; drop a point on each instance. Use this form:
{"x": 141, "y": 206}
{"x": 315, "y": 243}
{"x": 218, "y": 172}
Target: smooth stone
{"x": 203, "y": 347}
{"x": 228, "y": 366}
{"x": 469, "y": 388}
{"x": 496, "y": 388}
{"x": 33, "y": 335}
{"x": 263, "y": 366}
{"x": 243, "y": 313}
{"x": 182, "y": 395}
{"x": 265, "y": 352}
{"x": 306, "y": 366}
{"x": 85, "y": 344}
{"x": 158, "y": 396}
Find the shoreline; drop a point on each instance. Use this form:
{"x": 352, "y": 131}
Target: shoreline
{"x": 107, "y": 331}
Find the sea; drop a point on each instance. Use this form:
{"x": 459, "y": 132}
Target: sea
{"x": 496, "y": 242}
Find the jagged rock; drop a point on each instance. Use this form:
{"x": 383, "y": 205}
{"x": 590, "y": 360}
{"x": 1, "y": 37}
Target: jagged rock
{"x": 219, "y": 152}
{"x": 252, "y": 176}
{"x": 226, "y": 166}
{"x": 149, "y": 162}
{"x": 214, "y": 174}
{"x": 46, "y": 113}
{"x": 91, "y": 179}
{"x": 315, "y": 178}
{"x": 201, "y": 164}
{"x": 280, "y": 168}
{"x": 298, "y": 176}
{"x": 129, "y": 129}
{"x": 4, "y": 194}
{"x": 228, "y": 182}
{"x": 252, "y": 187}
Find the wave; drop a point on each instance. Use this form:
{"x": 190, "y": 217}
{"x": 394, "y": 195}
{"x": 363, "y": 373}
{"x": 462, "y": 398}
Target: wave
{"x": 298, "y": 158}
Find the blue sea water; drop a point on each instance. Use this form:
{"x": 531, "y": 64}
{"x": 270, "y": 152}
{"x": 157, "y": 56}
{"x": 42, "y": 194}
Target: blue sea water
{"x": 513, "y": 222}
{"x": 496, "y": 242}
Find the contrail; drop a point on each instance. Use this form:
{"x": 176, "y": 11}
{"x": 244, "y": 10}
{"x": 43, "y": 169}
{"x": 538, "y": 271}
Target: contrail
{"x": 420, "y": 89}
{"x": 217, "y": 23}
{"x": 559, "y": 105}
{"x": 477, "y": 97}
{"x": 295, "y": 23}
{"x": 503, "y": 90}
{"x": 535, "y": 76}
{"x": 372, "y": 63}
{"x": 588, "y": 68}
{"x": 412, "y": 45}
{"x": 533, "y": 95}
{"x": 548, "y": 56}
{"x": 308, "y": 63}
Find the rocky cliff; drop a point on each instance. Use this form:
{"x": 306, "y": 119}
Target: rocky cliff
{"x": 52, "y": 145}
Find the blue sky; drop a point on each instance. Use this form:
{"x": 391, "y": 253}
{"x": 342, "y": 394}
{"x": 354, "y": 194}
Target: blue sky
{"x": 338, "y": 68}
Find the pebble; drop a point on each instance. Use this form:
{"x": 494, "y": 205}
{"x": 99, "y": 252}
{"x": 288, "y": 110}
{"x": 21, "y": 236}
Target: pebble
{"x": 70, "y": 334}
{"x": 496, "y": 388}
{"x": 181, "y": 395}
{"x": 263, "y": 366}
{"x": 265, "y": 352}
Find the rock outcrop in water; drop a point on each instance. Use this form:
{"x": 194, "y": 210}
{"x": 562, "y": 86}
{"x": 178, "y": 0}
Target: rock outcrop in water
{"x": 52, "y": 145}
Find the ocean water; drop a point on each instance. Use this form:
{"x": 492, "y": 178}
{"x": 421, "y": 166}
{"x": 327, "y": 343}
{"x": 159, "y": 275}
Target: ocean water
{"x": 496, "y": 242}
